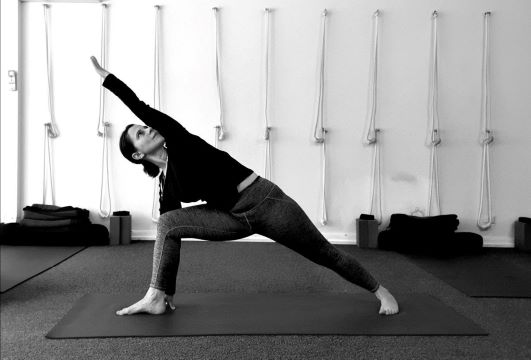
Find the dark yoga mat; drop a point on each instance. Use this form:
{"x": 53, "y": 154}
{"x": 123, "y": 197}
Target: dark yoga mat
{"x": 263, "y": 313}
{"x": 485, "y": 275}
{"x": 21, "y": 263}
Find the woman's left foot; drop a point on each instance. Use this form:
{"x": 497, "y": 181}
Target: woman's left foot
{"x": 389, "y": 306}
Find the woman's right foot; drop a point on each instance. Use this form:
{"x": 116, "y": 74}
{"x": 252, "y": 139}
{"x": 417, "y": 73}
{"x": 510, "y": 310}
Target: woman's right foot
{"x": 153, "y": 302}
{"x": 389, "y": 306}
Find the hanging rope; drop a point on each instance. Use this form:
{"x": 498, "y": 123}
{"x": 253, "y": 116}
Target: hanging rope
{"x": 486, "y": 133}
{"x": 319, "y": 117}
{"x": 433, "y": 131}
{"x": 267, "y": 165}
{"x": 156, "y": 103}
{"x": 50, "y": 128}
{"x": 372, "y": 133}
{"x": 219, "y": 133}
{"x": 102, "y": 124}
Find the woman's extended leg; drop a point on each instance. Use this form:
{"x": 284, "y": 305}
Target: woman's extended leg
{"x": 280, "y": 218}
{"x": 201, "y": 222}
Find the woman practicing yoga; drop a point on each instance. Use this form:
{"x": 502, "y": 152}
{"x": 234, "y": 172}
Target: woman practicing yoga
{"x": 239, "y": 203}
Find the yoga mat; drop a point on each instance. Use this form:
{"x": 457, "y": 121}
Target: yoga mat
{"x": 479, "y": 275}
{"x": 20, "y": 263}
{"x": 94, "y": 315}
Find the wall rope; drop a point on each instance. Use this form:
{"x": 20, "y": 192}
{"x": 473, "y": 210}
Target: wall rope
{"x": 486, "y": 136}
{"x": 433, "y": 130}
{"x": 102, "y": 124}
{"x": 157, "y": 185}
{"x": 50, "y": 127}
{"x": 267, "y": 165}
{"x": 372, "y": 133}
{"x": 219, "y": 132}
{"x": 319, "y": 117}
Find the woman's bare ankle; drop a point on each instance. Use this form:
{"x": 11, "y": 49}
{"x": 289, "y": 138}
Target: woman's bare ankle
{"x": 380, "y": 292}
{"x": 154, "y": 293}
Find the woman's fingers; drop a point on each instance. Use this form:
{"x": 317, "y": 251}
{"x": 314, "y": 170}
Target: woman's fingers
{"x": 169, "y": 301}
{"x": 99, "y": 69}
{"x": 95, "y": 62}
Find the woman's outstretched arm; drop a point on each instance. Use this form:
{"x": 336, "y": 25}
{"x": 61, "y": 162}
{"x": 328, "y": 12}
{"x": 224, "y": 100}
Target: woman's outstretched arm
{"x": 166, "y": 125}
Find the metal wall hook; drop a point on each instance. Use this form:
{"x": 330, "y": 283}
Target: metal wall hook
{"x": 373, "y": 137}
{"x": 488, "y": 137}
{"x": 267, "y": 131}
{"x": 220, "y": 132}
{"x": 435, "y": 137}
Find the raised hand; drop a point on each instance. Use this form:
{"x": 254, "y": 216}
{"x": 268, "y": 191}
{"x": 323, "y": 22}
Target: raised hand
{"x": 103, "y": 73}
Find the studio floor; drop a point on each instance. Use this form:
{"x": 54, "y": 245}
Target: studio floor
{"x": 33, "y": 308}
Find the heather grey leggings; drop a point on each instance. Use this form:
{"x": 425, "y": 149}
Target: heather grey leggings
{"x": 262, "y": 208}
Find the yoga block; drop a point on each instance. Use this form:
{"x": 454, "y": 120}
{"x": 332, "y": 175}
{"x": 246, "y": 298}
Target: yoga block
{"x": 522, "y": 236}
{"x": 367, "y": 233}
{"x": 114, "y": 230}
{"x": 125, "y": 230}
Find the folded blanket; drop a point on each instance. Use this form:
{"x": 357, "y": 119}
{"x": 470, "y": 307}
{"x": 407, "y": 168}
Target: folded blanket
{"x": 82, "y": 234}
{"x": 52, "y": 223}
{"x": 435, "y": 244}
{"x": 44, "y": 211}
{"x": 30, "y": 214}
{"x": 423, "y": 225}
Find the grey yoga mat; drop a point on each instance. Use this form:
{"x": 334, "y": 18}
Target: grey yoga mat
{"x": 488, "y": 275}
{"x": 21, "y": 263}
{"x": 93, "y": 315}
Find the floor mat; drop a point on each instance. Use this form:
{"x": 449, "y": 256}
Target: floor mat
{"x": 20, "y": 263}
{"x": 339, "y": 313}
{"x": 483, "y": 275}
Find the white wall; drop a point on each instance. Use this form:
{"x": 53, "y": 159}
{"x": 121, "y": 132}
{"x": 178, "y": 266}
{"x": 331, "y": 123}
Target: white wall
{"x": 9, "y": 127}
{"x": 189, "y": 95}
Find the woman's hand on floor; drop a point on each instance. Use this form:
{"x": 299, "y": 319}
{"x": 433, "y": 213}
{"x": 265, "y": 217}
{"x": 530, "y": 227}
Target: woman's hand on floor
{"x": 169, "y": 301}
{"x": 103, "y": 73}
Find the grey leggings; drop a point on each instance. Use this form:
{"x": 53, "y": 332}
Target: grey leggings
{"x": 262, "y": 208}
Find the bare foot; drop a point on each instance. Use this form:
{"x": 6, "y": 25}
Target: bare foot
{"x": 154, "y": 302}
{"x": 389, "y": 305}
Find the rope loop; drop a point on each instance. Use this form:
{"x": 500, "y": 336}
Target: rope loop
{"x": 50, "y": 128}
{"x": 103, "y": 125}
{"x": 220, "y": 133}
{"x": 319, "y": 122}
{"x": 433, "y": 129}
{"x": 267, "y": 157}
{"x": 486, "y": 137}
{"x": 371, "y": 137}
{"x": 319, "y": 112}
{"x": 157, "y": 181}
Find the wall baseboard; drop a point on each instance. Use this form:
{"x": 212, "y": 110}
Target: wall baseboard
{"x": 334, "y": 238}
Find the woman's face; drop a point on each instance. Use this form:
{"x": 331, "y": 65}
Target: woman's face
{"x": 145, "y": 139}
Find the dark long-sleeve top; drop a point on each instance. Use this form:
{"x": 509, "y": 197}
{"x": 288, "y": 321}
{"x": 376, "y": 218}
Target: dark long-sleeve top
{"x": 196, "y": 170}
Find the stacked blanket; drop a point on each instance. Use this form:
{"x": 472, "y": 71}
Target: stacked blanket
{"x": 44, "y": 224}
{"x": 433, "y": 235}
